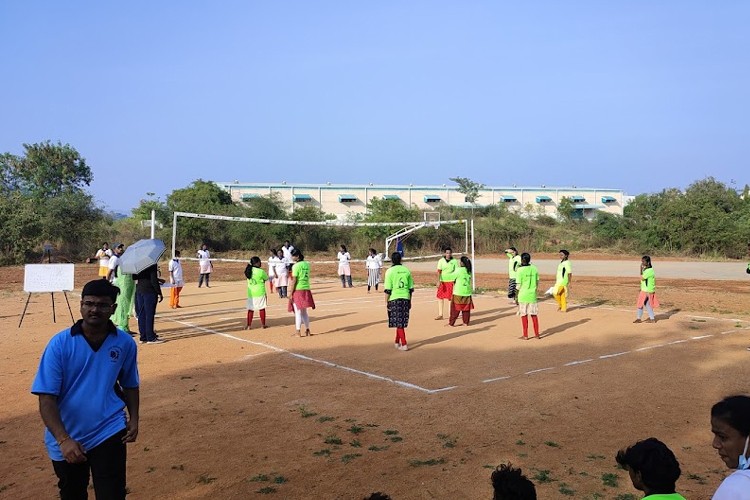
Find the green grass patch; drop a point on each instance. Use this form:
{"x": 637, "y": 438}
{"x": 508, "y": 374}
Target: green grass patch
{"x": 260, "y": 478}
{"x": 325, "y": 452}
{"x": 427, "y": 463}
{"x": 378, "y": 448}
{"x": 267, "y": 490}
{"x": 520, "y": 442}
{"x": 355, "y": 443}
{"x": 698, "y": 479}
{"x": 396, "y": 439}
{"x": 325, "y": 419}
{"x": 566, "y": 490}
{"x": 332, "y": 439}
{"x": 280, "y": 480}
{"x": 552, "y": 444}
{"x": 595, "y": 457}
{"x": 542, "y": 476}
{"x": 610, "y": 479}
{"x": 348, "y": 458}
{"x": 305, "y": 413}
{"x": 356, "y": 429}
{"x": 390, "y": 432}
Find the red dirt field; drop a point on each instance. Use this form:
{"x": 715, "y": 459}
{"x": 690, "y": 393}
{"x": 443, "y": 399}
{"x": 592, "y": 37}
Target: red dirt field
{"x": 230, "y": 413}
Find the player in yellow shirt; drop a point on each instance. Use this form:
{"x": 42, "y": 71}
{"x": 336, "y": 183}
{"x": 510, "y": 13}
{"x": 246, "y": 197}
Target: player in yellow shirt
{"x": 399, "y": 287}
{"x": 562, "y": 281}
{"x": 256, "y": 291}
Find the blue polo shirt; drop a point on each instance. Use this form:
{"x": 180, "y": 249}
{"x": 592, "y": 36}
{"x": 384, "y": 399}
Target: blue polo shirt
{"x": 84, "y": 382}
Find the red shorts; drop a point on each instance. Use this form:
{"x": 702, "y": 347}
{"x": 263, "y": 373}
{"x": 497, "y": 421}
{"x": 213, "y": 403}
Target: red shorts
{"x": 445, "y": 290}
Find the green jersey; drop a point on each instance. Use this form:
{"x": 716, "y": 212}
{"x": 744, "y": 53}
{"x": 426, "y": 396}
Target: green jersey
{"x": 513, "y": 264}
{"x": 256, "y": 285}
{"x": 563, "y": 273}
{"x": 528, "y": 280}
{"x": 648, "y": 280}
{"x": 664, "y": 496}
{"x": 301, "y": 273}
{"x": 446, "y": 268}
{"x": 462, "y": 288}
{"x": 399, "y": 282}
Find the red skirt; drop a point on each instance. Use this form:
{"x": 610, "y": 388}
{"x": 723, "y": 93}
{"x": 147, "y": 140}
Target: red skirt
{"x": 461, "y": 303}
{"x": 302, "y": 299}
{"x": 445, "y": 290}
{"x": 642, "y": 296}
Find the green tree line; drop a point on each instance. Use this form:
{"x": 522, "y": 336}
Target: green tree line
{"x": 43, "y": 199}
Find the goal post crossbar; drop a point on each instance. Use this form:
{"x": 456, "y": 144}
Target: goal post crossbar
{"x": 409, "y": 226}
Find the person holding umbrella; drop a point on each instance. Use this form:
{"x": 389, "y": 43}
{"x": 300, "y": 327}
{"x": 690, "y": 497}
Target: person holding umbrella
{"x": 140, "y": 259}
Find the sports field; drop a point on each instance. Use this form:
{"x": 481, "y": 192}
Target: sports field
{"x": 230, "y": 413}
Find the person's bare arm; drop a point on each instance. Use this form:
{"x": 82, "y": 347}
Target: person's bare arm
{"x": 71, "y": 449}
{"x": 132, "y": 402}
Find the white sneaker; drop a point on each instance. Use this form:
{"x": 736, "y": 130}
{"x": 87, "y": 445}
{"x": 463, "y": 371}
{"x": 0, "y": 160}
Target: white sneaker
{"x": 403, "y": 348}
{"x": 397, "y": 345}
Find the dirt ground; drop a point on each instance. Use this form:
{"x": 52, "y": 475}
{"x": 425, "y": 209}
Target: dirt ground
{"x": 230, "y": 413}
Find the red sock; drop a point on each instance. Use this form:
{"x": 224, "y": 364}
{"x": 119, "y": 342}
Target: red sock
{"x": 249, "y": 317}
{"x": 535, "y": 320}
{"x": 525, "y": 323}
{"x": 401, "y": 335}
{"x": 263, "y": 317}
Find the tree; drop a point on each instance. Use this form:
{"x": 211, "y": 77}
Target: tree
{"x": 46, "y": 170}
{"x": 566, "y": 209}
{"x": 469, "y": 189}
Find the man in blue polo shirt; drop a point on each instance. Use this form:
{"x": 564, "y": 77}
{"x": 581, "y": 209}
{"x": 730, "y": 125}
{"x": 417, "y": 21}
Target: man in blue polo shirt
{"x": 87, "y": 376}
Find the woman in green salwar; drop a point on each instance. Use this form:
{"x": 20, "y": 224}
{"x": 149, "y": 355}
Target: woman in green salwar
{"x": 121, "y": 316}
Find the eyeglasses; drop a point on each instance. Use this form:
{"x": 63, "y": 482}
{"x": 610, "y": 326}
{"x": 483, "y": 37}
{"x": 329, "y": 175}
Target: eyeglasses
{"x": 96, "y": 305}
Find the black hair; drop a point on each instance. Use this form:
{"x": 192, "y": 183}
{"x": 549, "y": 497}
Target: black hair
{"x": 525, "y": 259}
{"x": 105, "y": 243}
{"x": 466, "y": 262}
{"x": 255, "y": 261}
{"x": 120, "y": 245}
{"x": 647, "y": 258}
{"x": 373, "y": 251}
{"x": 509, "y": 483}
{"x": 176, "y": 253}
{"x": 378, "y": 496}
{"x": 735, "y": 411}
{"x": 446, "y": 249}
{"x": 297, "y": 253}
{"x": 343, "y": 247}
{"x": 657, "y": 465}
{"x": 274, "y": 251}
{"x": 513, "y": 248}
{"x": 396, "y": 258}
{"x": 565, "y": 253}
{"x": 100, "y": 288}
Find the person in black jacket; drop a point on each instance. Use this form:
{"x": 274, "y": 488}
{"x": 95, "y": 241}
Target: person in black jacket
{"x": 147, "y": 293}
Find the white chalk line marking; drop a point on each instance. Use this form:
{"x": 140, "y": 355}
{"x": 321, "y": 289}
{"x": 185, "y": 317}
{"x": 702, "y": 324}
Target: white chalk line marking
{"x": 614, "y": 355}
{"x": 574, "y": 363}
{"x": 265, "y": 345}
{"x": 539, "y": 370}
{"x": 495, "y": 379}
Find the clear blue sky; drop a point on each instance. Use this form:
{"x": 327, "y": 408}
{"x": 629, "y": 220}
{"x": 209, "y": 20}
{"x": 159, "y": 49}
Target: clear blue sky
{"x": 637, "y": 95}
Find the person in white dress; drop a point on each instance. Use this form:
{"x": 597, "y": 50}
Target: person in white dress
{"x": 176, "y": 280}
{"x": 204, "y": 262}
{"x": 730, "y": 424}
{"x": 287, "y": 249}
{"x": 281, "y": 273}
{"x": 103, "y": 254}
{"x": 272, "y": 261}
{"x": 345, "y": 269}
{"x": 373, "y": 264}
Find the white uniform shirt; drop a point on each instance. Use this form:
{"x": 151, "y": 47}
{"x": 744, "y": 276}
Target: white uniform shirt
{"x": 204, "y": 262}
{"x": 103, "y": 256}
{"x": 373, "y": 262}
{"x": 280, "y": 268}
{"x": 343, "y": 257}
{"x": 272, "y": 261}
{"x": 175, "y": 271}
{"x": 287, "y": 252}
{"x": 735, "y": 487}
{"x": 114, "y": 261}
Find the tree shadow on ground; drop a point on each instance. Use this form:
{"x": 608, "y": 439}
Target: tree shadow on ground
{"x": 459, "y": 332}
{"x": 561, "y": 328}
{"x": 667, "y": 314}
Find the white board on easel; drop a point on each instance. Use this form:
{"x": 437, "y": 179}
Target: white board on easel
{"x": 39, "y": 278}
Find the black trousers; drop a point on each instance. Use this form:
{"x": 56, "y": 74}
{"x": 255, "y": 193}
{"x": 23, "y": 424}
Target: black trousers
{"x": 106, "y": 464}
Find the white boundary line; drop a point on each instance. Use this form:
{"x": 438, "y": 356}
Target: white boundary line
{"x": 408, "y": 385}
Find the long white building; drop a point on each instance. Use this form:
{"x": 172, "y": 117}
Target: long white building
{"x": 342, "y": 199}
